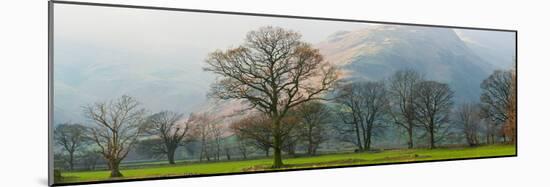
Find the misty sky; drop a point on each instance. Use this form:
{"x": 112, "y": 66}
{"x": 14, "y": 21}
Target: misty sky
{"x": 101, "y": 52}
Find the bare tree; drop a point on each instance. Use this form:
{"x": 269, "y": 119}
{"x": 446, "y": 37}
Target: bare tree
{"x": 433, "y": 103}
{"x": 117, "y": 125}
{"x": 217, "y": 137}
{"x": 273, "y": 71}
{"x": 72, "y": 138}
{"x": 365, "y": 107}
{"x": 167, "y": 126}
{"x": 90, "y": 159}
{"x": 401, "y": 89}
{"x": 350, "y": 114}
{"x": 314, "y": 116}
{"x": 243, "y": 146}
{"x": 468, "y": 118}
{"x": 497, "y": 97}
{"x": 227, "y": 149}
{"x": 254, "y": 129}
{"x": 375, "y": 110}
{"x": 204, "y": 129}
{"x": 290, "y": 133}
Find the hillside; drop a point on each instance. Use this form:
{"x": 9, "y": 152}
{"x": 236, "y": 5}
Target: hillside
{"x": 374, "y": 53}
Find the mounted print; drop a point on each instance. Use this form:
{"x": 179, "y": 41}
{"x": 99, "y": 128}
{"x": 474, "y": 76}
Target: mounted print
{"x": 140, "y": 93}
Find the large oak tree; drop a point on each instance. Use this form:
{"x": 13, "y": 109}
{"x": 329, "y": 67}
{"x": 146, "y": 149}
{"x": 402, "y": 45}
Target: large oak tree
{"x": 274, "y": 71}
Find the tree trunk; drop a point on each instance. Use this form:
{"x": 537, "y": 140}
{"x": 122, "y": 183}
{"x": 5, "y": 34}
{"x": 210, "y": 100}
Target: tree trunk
{"x": 311, "y": 149}
{"x": 310, "y": 142}
{"x": 267, "y": 152}
{"x": 227, "y": 155}
{"x": 201, "y": 155}
{"x": 432, "y": 142}
{"x": 170, "y": 154}
{"x": 357, "y": 133}
{"x": 410, "y": 133}
{"x": 277, "y": 158}
{"x": 218, "y": 150}
{"x": 364, "y": 132}
{"x": 115, "y": 172}
{"x": 71, "y": 160}
{"x": 368, "y": 138}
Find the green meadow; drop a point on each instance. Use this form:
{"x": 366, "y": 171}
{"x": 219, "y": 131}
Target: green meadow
{"x": 328, "y": 160}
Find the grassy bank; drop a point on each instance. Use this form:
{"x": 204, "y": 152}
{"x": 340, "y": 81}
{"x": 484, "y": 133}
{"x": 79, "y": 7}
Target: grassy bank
{"x": 390, "y": 156}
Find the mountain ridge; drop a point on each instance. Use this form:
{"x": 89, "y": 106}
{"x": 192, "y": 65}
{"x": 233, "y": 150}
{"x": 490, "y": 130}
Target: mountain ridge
{"x": 375, "y": 53}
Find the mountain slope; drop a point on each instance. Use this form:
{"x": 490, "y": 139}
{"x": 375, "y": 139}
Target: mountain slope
{"x": 376, "y": 52}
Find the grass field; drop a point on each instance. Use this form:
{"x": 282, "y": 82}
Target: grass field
{"x": 390, "y": 156}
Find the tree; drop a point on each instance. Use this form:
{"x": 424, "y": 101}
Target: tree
{"x": 290, "y": 133}
{"x": 117, "y": 125}
{"x": 255, "y": 130}
{"x": 365, "y": 107}
{"x": 497, "y": 97}
{"x": 510, "y": 123}
{"x": 401, "y": 89}
{"x": 375, "y": 110}
{"x": 72, "y": 138}
{"x": 202, "y": 126}
{"x": 273, "y": 71}
{"x": 227, "y": 149}
{"x": 167, "y": 126}
{"x": 151, "y": 148}
{"x": 217, "y": 137}
{"x": 433, "y": 103}
{"x": 314, "y": 116}
{"x": 468, "y": 118}
{"x": 243, "y": 146}
{"x": 90, "y": 158}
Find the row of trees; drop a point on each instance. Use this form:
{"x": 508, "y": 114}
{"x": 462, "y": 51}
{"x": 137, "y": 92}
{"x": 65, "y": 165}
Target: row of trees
{"x": 117, "y": 126}
{"x": 359, "y": 111}
{"x": 366, "y": 107}
{"x": 275, "y": 73}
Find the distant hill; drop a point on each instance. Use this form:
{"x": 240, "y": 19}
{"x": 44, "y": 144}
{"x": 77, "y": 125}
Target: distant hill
{"x": 497, "y": 48}
{"x": 376, "y": 52}
{"x": 174, "y": 82}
